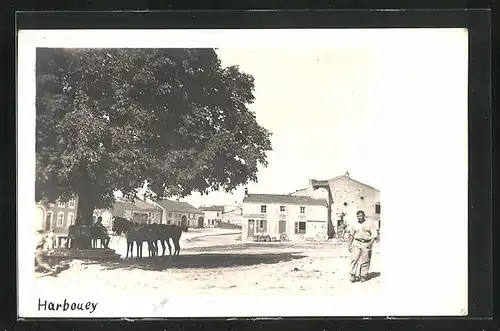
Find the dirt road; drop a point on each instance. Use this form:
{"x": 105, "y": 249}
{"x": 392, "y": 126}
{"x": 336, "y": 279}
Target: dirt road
{"x": 222, "y": 265}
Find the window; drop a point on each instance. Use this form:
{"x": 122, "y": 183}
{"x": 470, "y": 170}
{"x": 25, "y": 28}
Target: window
{"x": 71, "y": 219}
{"x": 362, "y": 198}
{"x": 345, "y": 204}
{"x": 300, "y": 227}
{"x": 72, "y": 203}
{"x": 169, "y": 214}
{"x": 60, "y": 219}
{"x": 218, "y": 214}
{"x": 377, "y": 208}
{"x": 282, "y": 208}
{"x": 302, "y": 210}
{"x": 61, "y": 204}
{"x": 177, "y": 216}
{"x": 263, "y": 209}
{"x": 261, "y": 226}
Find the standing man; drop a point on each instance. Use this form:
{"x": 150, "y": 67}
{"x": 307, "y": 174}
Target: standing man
{"x": 361, "y": 237}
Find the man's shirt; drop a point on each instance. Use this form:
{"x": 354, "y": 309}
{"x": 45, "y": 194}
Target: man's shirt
{"x": 363, "y": 231}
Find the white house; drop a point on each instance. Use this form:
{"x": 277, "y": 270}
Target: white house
{"x": 294, "y": 217}
{"x": 213, "y": 215}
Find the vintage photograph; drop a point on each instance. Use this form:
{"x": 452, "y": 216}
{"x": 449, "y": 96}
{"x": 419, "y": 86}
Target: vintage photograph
{"x": 208, "y": 172}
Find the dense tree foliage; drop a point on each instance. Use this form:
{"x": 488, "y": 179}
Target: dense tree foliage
{"x": 111, "y": 119}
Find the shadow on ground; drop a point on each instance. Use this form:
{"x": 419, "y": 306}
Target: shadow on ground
{"x": 262, "y": 245}
{"x": 206, "y": 261}
{"x": 372, "y": 275}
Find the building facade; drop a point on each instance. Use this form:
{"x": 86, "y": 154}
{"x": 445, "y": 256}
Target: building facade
{"x": 138, "y": 211}
{"x": 296, "y": 217}
{"x": 233, "y": 214}
{"x": 348, "y": 196}
{"x": 57, "y": 215}
{"x": 213, "y": 215}
{"x": 177, "y": 212}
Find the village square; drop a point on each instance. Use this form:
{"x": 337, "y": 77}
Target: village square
{"x": 125, "y": 137}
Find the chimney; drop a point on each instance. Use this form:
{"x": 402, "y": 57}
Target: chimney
{"x": 246, "y": 191}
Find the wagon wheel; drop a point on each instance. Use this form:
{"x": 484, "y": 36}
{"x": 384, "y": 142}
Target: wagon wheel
{"x": 283, "y": 237}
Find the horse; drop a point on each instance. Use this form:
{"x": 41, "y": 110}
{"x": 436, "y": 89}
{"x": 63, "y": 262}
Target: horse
{"x": 139, "y": 234}
{"x": 121, "y": 225}
{"x": 164, "y": 233}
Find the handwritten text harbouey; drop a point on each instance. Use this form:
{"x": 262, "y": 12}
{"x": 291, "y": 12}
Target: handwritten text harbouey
{"x": 67, "y": 306}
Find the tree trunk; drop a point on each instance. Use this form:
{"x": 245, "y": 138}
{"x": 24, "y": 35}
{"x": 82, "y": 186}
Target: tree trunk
{"x": 85, "y": 209}
{"x": 84, "y": 221}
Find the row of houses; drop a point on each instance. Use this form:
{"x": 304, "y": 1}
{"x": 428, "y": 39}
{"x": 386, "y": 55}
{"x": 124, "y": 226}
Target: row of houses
{"x": 60, "y": 215}
{"x": 316, "y": 211}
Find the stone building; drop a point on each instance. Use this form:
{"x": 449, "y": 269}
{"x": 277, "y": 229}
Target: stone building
{"x": 177, "y": 212}
{"x": 348, "y": 196}
{"x": 138, "y": 211}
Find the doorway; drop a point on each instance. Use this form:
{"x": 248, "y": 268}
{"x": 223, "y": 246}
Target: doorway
{"x": 282, "y": 227}
{"x": 251, "y": 228}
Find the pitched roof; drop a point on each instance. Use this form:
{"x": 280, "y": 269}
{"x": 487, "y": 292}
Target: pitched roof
{"x": 296, "y": 191}
{"x": 145, "y": 205}
{"x": 285, "y": 199}
{"x": 126, "y": 204}
{"x": 349, "y": 178}
{"x": 212, "y": 208}
{"x": 137, "y": 204}
{"x": 177, "y": 206}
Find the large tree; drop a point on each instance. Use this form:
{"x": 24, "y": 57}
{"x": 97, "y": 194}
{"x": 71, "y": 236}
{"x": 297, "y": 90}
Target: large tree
{"x": 112, "y": 119}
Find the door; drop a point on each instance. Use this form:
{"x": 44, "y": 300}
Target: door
{"x": 200, "y": 222}
{"x": 282, "y": 227}
{"x": 251, "y": 228}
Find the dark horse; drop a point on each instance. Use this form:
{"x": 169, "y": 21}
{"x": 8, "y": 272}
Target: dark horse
{"x": 164, "y": 233}
{"x": 139, "y": 234}
{"x": 121, "y": 225}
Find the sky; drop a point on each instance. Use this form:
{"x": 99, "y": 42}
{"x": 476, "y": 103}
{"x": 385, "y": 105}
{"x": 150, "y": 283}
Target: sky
{"x": 335, "y": 100}
{"x": 322, "y": 107}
